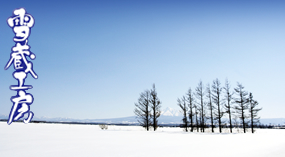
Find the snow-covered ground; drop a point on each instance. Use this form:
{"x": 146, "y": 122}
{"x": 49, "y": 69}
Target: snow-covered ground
{"x": 52, "y": 140}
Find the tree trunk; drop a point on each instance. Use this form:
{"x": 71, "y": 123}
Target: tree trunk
{"x": 230, "y": 121}
{"x": 219, "y": 113}
{"x": 212, "y": 120}
{"x": 243, "y": 123}
{"x": 252, "y": 121}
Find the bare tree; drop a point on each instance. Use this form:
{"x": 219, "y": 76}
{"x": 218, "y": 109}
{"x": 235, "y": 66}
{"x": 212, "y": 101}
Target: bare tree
{"x": 242, "y": 104}
{"x": 190, "y": 99}
{"x": 182, "y": 104}
{"x": 196, "y": 117}
{"x": 210, "y": 105}
{"x": 228, "y": 98}
{"x": 103, "y": 126}
{"x": 155, "y": 105}
{"x": 200, "y": 96}
{"x": 253, "y": 111}
{"x": 217, "y": 90}
{"x": 143, "y": 111}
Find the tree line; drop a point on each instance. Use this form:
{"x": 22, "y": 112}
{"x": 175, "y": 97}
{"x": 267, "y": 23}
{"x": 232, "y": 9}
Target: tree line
{"x": 205, "y": 107}
{"x": 214, "y": 102}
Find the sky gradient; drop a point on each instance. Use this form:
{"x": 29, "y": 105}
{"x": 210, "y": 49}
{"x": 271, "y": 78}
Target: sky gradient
{"x": 95, "y": 57}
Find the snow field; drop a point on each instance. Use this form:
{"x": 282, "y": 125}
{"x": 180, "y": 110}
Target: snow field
{"x": 131, "y": 141}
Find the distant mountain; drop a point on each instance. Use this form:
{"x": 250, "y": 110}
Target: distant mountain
{"x": 170, "y": 112}
{"x": 168, "y": 116}
{"x": 273, "y": 121}
{"x": 3, "y": 116}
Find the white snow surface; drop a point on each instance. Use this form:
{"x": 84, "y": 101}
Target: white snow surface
{"x": 60, "y": 140}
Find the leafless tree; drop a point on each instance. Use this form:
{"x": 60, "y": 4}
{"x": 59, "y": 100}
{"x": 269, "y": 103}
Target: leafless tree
{"x": 200, "y": 96}
{"x": 155, "y": 105}
{"x": 103, "y": 126}
{"x": 190, "y": 99}
{"x": 228, "y": 98}
{"x": 210, "y": 105}
{"x": 182, "y": 104}
{"x": 196, "y": 117}
{"x": 253, "y": 111}
{"x": 216, "y": 93}
{"x": 242, "y": 105}
{"x": 143, "y": 111}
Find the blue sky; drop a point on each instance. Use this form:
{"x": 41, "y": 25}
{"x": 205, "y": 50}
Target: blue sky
{"x": 95, "y": 57}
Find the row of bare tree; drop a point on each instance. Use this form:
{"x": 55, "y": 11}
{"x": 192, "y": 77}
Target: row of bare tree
{"x": 148, "y": 109}
{"x": 213, "y": 103}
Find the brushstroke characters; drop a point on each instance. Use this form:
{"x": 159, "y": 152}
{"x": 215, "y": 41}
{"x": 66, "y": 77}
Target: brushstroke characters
{"x": 21, "y": 106}
{"x": 21, "y": 23}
